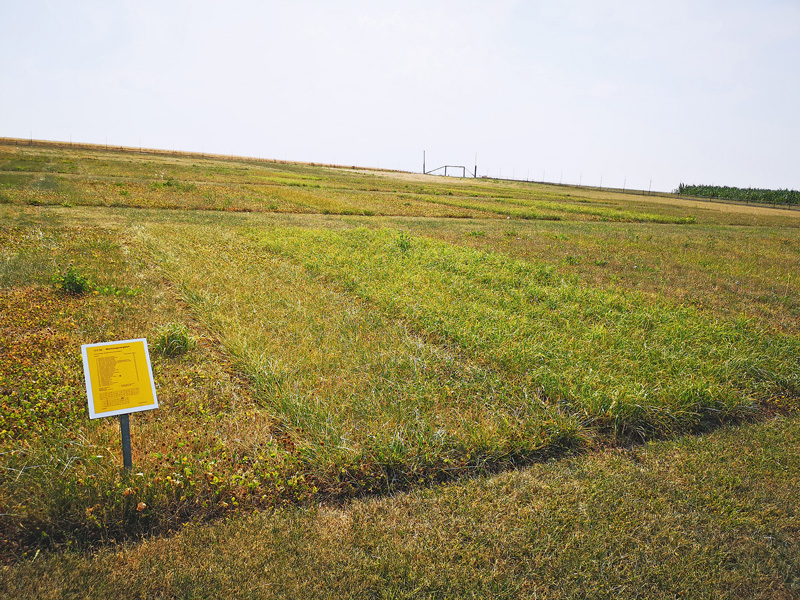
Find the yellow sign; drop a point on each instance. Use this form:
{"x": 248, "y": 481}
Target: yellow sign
{"x": 119, "y": 378}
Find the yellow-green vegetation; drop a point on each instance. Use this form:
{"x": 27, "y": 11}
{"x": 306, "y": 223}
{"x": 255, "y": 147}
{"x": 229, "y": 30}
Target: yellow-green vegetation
{"x": 57, "y": 176}
{"x": 320, "y": 335}
{"x": 700, "y": 517}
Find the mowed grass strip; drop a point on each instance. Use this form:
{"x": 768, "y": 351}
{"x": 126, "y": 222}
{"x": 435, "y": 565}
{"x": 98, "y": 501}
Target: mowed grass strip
{"x": 619, "y": 361}
{"x": 524, "y": 205}
{"x": 698, "y": 517}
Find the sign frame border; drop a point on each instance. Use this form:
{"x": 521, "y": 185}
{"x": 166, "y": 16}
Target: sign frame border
{"x": 87, "y": 376}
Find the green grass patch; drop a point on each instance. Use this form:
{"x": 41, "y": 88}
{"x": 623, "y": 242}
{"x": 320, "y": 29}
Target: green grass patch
{"x": 367, "y": 402}
{"x": 618, "y": 361}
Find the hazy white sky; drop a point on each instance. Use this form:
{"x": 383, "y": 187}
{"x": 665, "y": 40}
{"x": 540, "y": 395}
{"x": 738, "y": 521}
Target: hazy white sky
{"x": 699, "y": 91}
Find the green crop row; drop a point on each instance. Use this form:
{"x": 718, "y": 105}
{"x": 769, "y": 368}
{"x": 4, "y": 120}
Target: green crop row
{"x": 785, "y": 197}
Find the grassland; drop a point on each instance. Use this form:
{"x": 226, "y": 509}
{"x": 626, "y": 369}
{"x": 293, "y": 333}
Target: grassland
{"x": 359, "y": 334}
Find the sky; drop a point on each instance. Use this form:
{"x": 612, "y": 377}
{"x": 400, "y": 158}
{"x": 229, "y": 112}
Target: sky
{"x": 634, "y": 93}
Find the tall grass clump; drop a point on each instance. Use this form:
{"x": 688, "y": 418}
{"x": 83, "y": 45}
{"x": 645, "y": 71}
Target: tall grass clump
{"x": 173, "y": 340}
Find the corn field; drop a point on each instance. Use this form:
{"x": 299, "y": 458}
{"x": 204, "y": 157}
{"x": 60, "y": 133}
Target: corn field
{"x": 783, "y": 197}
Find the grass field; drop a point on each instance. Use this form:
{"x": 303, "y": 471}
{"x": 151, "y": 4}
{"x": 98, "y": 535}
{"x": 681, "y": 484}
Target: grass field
{"x": 699, "y": 517}
{"x": 377, "y": 335}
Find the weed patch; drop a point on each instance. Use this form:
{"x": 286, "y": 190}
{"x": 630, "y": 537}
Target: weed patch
{"x": 72, "y": 281}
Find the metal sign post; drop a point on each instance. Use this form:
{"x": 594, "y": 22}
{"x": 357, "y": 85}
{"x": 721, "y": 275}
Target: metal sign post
{"x": 119, "y": 381}
{"x": 125, "y": 428}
